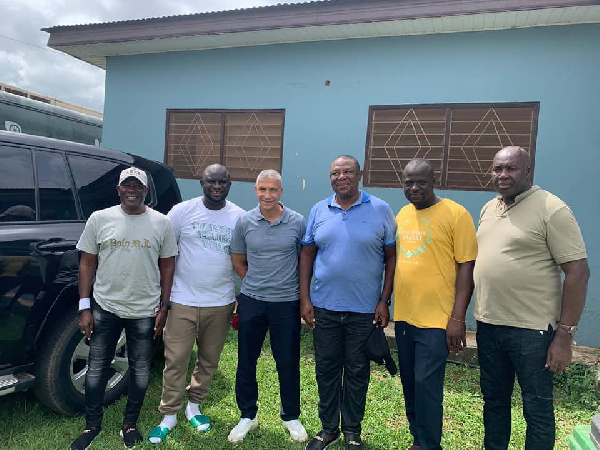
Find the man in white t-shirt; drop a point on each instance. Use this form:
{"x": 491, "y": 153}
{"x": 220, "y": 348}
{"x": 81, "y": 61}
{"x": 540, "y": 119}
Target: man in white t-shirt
{"x": 202, "y": 299}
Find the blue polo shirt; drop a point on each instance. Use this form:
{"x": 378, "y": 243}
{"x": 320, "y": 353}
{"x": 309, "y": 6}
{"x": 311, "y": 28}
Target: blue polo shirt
{"x": 348, "y": 269}
{"x": 272, "y": 251}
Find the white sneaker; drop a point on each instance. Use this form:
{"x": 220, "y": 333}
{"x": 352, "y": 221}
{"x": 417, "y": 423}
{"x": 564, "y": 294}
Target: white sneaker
{"x": 240, "y": 431}
{"x": 296, "y": 429}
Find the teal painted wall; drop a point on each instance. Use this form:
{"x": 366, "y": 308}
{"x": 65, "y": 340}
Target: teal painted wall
{"x": 557, "y": 66}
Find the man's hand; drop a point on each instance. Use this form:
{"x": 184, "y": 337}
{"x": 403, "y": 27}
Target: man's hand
{"x": 559, "y": 353}
{"x": 160, "y": 321}
{"x": 382, "y": 312}
{"x": 86, "y": 323}
{"x": 456, "y": 335}
{"x": 307, "y": 311}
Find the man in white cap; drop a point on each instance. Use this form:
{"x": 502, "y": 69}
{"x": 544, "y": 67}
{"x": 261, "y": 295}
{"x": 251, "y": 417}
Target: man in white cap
{"x": 127, "y": 254}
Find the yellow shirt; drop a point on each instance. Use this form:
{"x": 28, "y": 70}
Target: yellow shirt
{"x": 429, "y": 244}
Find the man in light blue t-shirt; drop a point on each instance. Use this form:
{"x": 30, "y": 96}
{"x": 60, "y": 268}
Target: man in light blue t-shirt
{"x": 265, "y": 247}
{"x": 349, "y": 246}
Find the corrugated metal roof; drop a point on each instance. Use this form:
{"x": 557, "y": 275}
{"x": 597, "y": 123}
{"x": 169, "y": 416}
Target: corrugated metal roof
{"x": 320, "y": 20}
{"x": 191, "y": 15}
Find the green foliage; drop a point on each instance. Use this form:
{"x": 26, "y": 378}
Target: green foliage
{"x": 576, "y": 386}
{"x": 27, "y": 425}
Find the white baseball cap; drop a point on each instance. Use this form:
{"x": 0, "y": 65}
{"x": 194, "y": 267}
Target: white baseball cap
{"x": 135, "y": 173}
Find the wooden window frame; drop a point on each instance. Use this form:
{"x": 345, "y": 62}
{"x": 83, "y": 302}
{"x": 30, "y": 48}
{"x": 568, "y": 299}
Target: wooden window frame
{"x": 223, "y": 137}
{"x": 442, "y": 178}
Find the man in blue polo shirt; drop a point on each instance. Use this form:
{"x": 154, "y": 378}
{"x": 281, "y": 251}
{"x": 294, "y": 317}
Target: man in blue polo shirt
{"x": 265, "y": 247}
{"x": 349, "y": 245}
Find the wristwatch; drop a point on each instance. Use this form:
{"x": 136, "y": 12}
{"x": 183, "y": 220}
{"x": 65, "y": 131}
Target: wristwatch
{"x": 388, "y": 301}
{"x": 165, "y": 304}
{"x": 570, "y": 329}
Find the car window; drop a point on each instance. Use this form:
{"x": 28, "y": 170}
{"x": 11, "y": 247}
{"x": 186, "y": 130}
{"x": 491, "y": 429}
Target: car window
{"x": 56, "y": 194}
{"x": 17, "y": 188}
{"x": 96, "y": 181}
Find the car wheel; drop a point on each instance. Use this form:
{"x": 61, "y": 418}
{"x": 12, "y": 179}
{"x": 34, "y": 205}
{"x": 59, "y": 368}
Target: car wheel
{"x": 62, "y": 366}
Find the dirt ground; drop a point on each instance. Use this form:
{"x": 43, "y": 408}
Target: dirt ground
{"x": 589, "y": 355}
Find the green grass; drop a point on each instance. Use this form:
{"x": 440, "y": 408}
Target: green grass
{"x": 25, "y": 424}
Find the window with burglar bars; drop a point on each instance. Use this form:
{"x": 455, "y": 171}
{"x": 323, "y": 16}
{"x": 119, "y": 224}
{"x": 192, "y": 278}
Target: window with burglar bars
{"x": 245, "y": 141}
{"x": 459, "y": 139}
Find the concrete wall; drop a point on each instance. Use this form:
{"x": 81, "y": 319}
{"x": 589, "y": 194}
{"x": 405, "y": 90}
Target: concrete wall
{"x": 557, "y": 66}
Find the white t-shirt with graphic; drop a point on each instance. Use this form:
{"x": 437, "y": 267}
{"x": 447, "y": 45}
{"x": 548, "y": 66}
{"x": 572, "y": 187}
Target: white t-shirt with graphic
{"x": 128, "y": 248}
{"x": 203, "y": 270}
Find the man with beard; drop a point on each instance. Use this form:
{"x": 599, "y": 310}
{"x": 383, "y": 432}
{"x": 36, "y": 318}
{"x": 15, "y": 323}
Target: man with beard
{"x": 129, "y": 249}
{"x": 202, "y": 299}
{"x": 349, "y": 246}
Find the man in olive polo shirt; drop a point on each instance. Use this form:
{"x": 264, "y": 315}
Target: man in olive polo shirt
{"x": 526, "y": 316}
{"x": 265, "y": 247}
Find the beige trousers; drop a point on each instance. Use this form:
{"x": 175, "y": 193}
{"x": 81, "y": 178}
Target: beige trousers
{"x": 208, "y": 327}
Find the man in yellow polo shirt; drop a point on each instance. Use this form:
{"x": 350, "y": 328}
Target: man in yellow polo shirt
{"x": 526, "y": 315}
{"x": 436, "y": 250}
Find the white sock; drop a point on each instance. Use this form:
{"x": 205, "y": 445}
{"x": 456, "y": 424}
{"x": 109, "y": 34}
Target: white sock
{"x": 169, "y": 421}
{"x": 192, "y": 410}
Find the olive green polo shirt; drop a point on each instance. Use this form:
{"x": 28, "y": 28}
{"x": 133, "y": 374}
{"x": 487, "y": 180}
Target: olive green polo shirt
{"x": 517, "y": 273}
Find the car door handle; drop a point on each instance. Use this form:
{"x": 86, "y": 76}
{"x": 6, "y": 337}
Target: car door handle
{"x": 55, "y": 245}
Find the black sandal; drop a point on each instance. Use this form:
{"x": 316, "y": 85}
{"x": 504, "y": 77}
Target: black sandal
{"x": 322, "y": 440}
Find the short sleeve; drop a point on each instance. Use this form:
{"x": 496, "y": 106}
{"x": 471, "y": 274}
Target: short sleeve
{"x": 238, "y": 240}
{"x": 564, "y": 238}
{"x": 88, "y": 241}
{"x": 169, "y": 245}
{"x": 309, "y": 229}
{"x": 175, "y": 217}
{"x": 389, "y": 225}
{"x": 302, "y": 233}
{"x": 465, "y": 240}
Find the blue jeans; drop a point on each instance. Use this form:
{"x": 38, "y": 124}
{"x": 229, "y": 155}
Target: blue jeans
{"x": 282, "y": 319}
{"x": 342, "y": 368}
{"x": 504, "y": 352}
{"x": 107, "y": 329}
{"x": 422, "y": 354}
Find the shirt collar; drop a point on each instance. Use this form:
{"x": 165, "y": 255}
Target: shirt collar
{"x": 364, "y": 198}
{"x": 285, "y": 216}
{"x": 519, "y": 198}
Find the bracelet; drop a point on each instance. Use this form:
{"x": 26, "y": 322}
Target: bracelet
{"x": 456, "y": 320}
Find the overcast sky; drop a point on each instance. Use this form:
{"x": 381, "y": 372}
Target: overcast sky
{"x": 26, "y": 61}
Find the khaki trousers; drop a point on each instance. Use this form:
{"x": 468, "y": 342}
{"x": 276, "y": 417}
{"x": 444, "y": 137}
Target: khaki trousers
{"x": 208, "y": 327}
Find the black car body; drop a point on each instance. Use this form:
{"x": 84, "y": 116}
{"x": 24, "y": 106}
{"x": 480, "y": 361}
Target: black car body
{"x": 48, "y": 188}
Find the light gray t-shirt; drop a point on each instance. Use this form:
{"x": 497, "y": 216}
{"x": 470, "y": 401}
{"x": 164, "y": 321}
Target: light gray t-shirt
{"x": 272, "y": 251}
{"x": 203, "y": 271}
{"x": 128, "y": 248}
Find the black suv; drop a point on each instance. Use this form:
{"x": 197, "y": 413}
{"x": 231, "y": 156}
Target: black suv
{"x": 48, "y": 188}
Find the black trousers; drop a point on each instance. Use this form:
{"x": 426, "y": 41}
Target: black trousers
{"x": 422, "y": 354}
{"x": 342, "y": 368}
{"x": 505, "y": 352}
{"x": 282, "y": 319}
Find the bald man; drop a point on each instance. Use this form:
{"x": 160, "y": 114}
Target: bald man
{"x": 435, "y": 250}
{"x": 526, "y": 315}
{"x": 202, "y": 299}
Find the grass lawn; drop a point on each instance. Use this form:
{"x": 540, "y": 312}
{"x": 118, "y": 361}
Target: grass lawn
{"x": 25, "y": 424}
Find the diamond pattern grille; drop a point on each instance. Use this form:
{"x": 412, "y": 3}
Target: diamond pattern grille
{"x": 246, "y": 141}
{"x": 459, "y": 139}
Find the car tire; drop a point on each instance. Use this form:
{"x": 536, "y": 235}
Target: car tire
{"x": 62, "y": 365}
